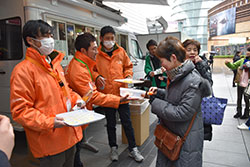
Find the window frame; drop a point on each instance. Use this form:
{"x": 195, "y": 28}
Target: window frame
{"x": 8, "y": 41}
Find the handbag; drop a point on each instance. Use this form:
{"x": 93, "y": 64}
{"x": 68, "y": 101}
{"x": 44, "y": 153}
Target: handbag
{"x": 244, "y": 79}
{"x": 238, "y": 75}
{"x": 213, "y": 109}
{"x": 169, "y": 143}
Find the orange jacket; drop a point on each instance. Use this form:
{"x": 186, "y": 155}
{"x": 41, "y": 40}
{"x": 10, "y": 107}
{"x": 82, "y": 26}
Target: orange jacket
{"x": 118, "y": 66}
{"x": 78, "y": 78}
{"x": 36, "y": 98}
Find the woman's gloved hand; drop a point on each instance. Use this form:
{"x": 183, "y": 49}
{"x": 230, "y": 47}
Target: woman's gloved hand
{"x": 151, "y": 99}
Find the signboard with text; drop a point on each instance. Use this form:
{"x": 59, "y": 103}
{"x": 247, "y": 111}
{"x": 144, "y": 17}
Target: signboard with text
{"x": 222, "y": 23}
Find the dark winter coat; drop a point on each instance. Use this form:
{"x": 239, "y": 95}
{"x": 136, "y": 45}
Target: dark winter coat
{"x": 176, "y": 106}
{"x": 203, "y": 68}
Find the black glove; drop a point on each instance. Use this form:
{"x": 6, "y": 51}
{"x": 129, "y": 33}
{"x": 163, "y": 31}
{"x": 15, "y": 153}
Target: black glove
{"x": 151, "y": 99}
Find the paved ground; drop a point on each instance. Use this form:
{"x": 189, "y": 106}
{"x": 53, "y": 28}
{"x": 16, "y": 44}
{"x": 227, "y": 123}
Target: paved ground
{"x": 230, "y": 147}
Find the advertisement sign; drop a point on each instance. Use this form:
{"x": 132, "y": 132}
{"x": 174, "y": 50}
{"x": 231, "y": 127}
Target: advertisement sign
{"x": 222, "y": 23}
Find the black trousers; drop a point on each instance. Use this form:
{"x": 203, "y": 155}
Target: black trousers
{"x": 240, "y": 93}
{"x": 63, "y": 159}
{"x": 235, "y": 72}
{"x": 208, "y": 132}
{"x": 77, "y": 160}
{"x": 124, "y": 113}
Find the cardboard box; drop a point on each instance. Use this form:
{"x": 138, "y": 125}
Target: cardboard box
{"x": 139, "y": 114}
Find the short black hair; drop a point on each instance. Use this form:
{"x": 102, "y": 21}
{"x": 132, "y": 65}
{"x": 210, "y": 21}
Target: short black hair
{"x": 171, "y": 45}
{"x": 83, "y": 41}
{"x": 237, "y": 52}
{"x": 33, "y": 28}
{"x": 248, "y": 49}
{"x": 107, "y": 29}
{"x": 151, "y": 42}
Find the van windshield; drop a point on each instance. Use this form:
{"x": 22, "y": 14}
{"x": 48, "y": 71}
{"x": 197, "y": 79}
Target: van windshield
{"x": 137, "y": 53}
{"x": 11, "y": 47}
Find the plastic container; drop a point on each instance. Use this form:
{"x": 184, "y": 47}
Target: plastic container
{"x": 138, "y": 106}
{"x": 133, "y": 93}
{"x": 158, "y": 71}
{"x": 89, "y": 94}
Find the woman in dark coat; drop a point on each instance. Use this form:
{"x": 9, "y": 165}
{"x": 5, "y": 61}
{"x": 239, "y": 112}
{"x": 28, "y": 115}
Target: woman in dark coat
{"x": 177, "y": 104}
{"x": 192, "y": 52}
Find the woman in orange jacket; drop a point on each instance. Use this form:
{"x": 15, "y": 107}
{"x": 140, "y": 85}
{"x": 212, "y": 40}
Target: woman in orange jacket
{"x": 38, "y": 93}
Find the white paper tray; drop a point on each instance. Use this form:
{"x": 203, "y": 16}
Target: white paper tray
{"x": 133, "y": 93}
{"x": 80, "y": 117}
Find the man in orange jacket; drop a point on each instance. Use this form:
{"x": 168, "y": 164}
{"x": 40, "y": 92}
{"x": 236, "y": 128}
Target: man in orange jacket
{"x": 80, "y": 74}
{"x": 112, "y": 63}
{"x": 38, "y": 93}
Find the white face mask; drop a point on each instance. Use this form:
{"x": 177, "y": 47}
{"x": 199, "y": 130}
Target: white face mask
{"x": 47, "y": 46}
{"x": 108, "y": 44}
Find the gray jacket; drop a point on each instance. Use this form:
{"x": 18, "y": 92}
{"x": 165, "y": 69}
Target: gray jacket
{"x": 176, "y": 106}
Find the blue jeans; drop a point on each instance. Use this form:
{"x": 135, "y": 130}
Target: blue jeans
{"x": 124, "y": 114}
{"x": 248, "y": 122}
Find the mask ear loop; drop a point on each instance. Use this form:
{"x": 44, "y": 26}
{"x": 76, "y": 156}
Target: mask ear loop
{"x": 35, "y": 39}
{"x": 34, "y": 44}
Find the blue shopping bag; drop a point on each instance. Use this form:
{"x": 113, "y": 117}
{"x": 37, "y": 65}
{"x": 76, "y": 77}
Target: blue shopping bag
{"x": 213, "y": 109}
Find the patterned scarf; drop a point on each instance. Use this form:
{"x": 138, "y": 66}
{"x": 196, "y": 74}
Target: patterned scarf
{"x": 172, "y": 73}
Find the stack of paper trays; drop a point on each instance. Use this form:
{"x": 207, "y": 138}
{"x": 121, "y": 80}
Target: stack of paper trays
{"x": 129, "y": 81}
{"x": 80, "y": 117}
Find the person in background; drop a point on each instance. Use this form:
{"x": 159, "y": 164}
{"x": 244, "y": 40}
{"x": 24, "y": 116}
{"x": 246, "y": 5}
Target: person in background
{"x": 235, "y": 58}
{"x": 6, "y": 141}
{"x": 211, "y": 58}
{"x": 38, "y": 92}
{"x": 153, "y": 64}
{"x": 240, "y": 89}
{"x": 181, "y": 100}
{"x": 79, "y": 74}
{"x": 192, "y": 52}
{"x": 112, "y": 63}
{"x": 192, "y": 48}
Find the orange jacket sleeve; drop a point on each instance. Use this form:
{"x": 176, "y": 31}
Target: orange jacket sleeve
{"x": 74, "y": 96}
{"x": 95, "y": 73}
{"x": 127, "y": 66}
{"x": 22, "y": 96}
{"x": 81, "y": 80}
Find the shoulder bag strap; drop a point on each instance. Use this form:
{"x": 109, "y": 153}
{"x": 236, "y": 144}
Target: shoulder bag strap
{"x": 86, "y": 66}
{"x": 189, "y": 127}
{"x": 60, "y": 82}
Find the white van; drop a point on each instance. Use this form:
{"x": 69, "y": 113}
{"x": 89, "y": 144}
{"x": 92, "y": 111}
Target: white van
{"x": 68, "y": 18}
{"x": 134, "y": 52}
